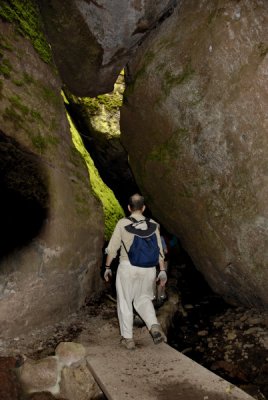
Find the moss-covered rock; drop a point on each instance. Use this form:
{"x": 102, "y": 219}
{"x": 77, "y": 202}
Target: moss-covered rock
{"x": 112, "y": 210}
{"x": 26, "y": 17}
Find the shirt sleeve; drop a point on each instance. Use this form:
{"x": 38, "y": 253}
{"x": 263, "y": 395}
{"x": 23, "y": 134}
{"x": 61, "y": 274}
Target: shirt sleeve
{"x": 115, "y": 241}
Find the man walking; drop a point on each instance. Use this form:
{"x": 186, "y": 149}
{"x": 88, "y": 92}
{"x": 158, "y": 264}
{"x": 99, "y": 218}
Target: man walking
{"x": 135, "y": 283}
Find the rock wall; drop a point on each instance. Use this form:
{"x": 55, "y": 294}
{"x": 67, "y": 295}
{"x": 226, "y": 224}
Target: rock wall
{"x": 194, "y": 122}
{"x": 93, "y": 40}
{"x": 51, "y": 224}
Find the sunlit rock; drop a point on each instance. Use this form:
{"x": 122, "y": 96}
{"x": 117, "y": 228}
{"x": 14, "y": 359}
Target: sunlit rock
{"x": 93, "y": 40}
{"x": 69, "y": 352}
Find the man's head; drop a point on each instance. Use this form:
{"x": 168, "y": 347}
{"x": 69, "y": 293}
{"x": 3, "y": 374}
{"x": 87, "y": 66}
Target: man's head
{"x": 136, "y": 203}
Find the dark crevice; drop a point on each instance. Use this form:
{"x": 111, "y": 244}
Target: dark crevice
{"x": 24, "y": 196}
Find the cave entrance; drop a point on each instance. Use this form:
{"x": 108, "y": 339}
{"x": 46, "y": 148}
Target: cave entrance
{"x": 24, "y": 196}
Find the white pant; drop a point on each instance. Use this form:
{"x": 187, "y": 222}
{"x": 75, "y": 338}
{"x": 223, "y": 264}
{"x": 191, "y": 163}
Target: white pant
{"x": 135, "y": 285}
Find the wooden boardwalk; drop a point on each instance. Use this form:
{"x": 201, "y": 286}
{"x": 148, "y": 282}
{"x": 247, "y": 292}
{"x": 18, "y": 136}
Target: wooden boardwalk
{"x": 153, "y": 372}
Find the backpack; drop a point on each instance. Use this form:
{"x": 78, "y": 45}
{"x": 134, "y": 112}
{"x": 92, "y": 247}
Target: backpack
{"x": 144, "y": 250}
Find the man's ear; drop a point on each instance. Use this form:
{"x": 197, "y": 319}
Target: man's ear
{"x": 129, "y": 209}
{"x": 143, "y": 208}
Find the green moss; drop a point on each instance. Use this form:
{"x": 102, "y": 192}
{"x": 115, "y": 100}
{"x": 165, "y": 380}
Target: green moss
{"x": 4, "y": 42}
{"x": 1, "y": 89}
{"x": 112, "y": 209}
{"x": 263, "y": 49}
{"x": 54, "y": 125}
{"x": 10, "y": 114}
{"x": 27, "y": 18}
{"x": 18, "y": 82}
{"x": 36, "y": 116}
{"x": 170, "y": 80}
{"x": 50, "y": 96}
{"x": 5, "y": 68}
{"x": 170, "y": 149}
{"x": 98, "y": 115}
{"x": 111, "y": 101}
{"x": 41, "y": 143}
{"x": 17, "y": 103}
{"x": 28, "y": 79}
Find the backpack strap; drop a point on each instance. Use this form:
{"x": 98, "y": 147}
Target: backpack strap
{"x": 124, "y": 246}
{"x": 133, "y": 227}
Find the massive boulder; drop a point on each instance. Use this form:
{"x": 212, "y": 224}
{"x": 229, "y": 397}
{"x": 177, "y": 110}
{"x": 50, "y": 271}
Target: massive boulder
{"x": 194, "y": 122}
{"x": 92, "y": 40}
{"x": 51, "y": 225}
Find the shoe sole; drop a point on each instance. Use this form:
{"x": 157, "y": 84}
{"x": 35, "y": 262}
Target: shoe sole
{"x": 158, "y": 338}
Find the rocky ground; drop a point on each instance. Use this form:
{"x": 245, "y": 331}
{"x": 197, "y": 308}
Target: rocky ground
{"x": 231, "y": 341}
{"x": 41, "y": 343}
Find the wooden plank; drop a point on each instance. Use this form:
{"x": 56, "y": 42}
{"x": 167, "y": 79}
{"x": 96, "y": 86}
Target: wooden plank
{"x": 154, "y": 372}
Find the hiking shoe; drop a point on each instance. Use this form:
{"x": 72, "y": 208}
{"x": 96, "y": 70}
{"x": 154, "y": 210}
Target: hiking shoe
{"x": 128, "y": 343}
{"x": 157, "y": 334}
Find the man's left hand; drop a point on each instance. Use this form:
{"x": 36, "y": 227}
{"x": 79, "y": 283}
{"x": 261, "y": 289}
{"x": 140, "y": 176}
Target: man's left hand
{"x": 108, "y": 274}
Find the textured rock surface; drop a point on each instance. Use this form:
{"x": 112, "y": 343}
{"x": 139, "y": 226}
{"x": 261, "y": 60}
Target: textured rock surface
{"x": 10, "y": 388}
{"x": 101, "y": 36}
{"x": 70, "y": 352}
{"x": 77, "y": 383}
{"x": 195, "y": 126}
{"x": 41, "y": 375}
{"x": 44, "y": 192}
{"x": 65, "y": 374}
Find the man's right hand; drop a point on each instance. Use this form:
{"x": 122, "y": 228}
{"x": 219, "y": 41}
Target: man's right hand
{"x": 162, "y": 277}
{"x": 108, "y": 274}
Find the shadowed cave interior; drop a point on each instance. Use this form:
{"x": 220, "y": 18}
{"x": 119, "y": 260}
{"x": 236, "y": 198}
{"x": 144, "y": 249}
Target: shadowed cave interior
{"x": 24, "y": 196}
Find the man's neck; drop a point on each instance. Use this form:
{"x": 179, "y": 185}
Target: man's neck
{"x": 137, "y": 213}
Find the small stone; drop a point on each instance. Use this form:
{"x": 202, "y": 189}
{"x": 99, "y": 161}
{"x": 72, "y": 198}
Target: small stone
{"x": 78, "y": 383}
{"x": 202, "y": 333}
{"x": 188, "y": 306}
{"x": 254, "y": 321}
{"x": 251, "y": 331}
{"x": 231, "y": 335}
{"x": 41, "y": 375}
{"x": 70, "y": 352}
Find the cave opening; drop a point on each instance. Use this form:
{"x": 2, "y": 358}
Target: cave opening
{"x": 24, "y": 196}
